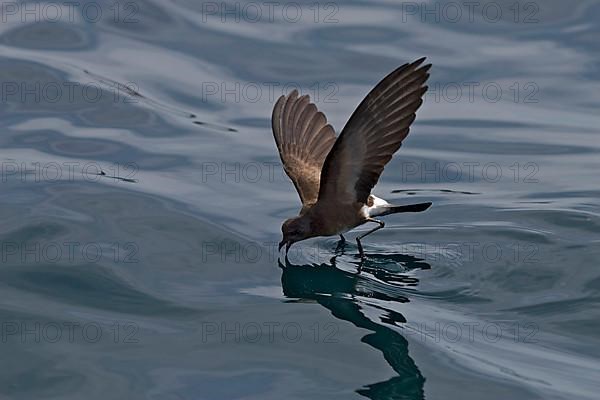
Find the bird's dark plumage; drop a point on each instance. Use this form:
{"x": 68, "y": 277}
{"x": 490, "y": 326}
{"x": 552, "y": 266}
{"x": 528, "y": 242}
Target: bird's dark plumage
{"x": 334, "y": 177}
{"x": 373, "y": 134}
{"x": 304, "y": 138}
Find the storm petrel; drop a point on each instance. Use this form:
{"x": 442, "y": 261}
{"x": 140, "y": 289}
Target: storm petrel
{"x": 334, "y": 177}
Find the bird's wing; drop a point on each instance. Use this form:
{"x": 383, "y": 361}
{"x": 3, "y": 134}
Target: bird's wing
{"x": 373, "y": 134}
{"x": 303, "y": 138}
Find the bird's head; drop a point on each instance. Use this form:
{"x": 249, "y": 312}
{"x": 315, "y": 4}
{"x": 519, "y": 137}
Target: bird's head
{"x": 294, "y": 230}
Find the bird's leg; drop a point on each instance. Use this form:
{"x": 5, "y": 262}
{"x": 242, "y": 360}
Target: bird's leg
{"x": 360, "y": 248}
{"x": 340, "y": 246}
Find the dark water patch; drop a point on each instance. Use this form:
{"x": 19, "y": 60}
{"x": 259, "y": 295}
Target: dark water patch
{"x": 87, "y": 286}
{"x": 35, "y": 89}
{"x": 20, "y": 195}
{"x": 564, "y": 194}
{"x": 40, "y": 376}
{"x": 114, "y": 153}
{"x": 35, "y": 231}
{"x": 476, "y": 123}
{"x": 530, "y": 278}
{"x": 457, "y": 296}
{"x": 593, "y": 285}
{"x": 488, "y": 146}
{"x": 586, "y": 329}
{"x": 50, "y": 36}
{"x": 411, "y": 192}
{"x": 550, "y": 307}
{"x": 133, "y": 92}
{"x": 216, "y": 127}
{"x": 117, "y": 178}
{"x": 563, "y": 218}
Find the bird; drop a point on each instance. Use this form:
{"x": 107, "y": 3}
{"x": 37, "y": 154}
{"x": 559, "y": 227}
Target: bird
{"x": 333, "y": 176}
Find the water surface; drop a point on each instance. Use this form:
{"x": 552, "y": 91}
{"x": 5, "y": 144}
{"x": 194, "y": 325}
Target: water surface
{"x": 142, "y": 199}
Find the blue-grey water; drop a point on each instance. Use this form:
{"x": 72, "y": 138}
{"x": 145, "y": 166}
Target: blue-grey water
{"x": 141, "y": 201}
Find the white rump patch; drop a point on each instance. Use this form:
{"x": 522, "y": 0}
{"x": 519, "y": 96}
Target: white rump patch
{"x": 379, "y": 205}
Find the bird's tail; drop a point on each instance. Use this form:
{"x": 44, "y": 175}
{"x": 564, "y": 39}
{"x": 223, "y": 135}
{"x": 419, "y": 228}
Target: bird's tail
{"x": 402, "y": 209}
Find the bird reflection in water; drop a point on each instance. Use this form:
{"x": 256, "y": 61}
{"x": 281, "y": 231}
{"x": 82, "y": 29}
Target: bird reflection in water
{"x": 346, "y": 294}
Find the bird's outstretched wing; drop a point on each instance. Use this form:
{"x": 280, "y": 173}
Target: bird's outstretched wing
{"x": 303, "y": 138}
{"x": 374, "y": 132}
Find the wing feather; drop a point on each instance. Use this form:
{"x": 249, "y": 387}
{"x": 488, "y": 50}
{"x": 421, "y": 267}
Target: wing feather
{"x": 303, "y": 138}
{"x": 374, "y": 132}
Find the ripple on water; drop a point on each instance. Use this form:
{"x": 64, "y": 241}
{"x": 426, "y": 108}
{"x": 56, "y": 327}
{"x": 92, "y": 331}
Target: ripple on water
{"x": 50, "y": 36}
{"x": 87, "y": 286}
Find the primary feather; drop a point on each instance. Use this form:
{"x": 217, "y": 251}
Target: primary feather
{"x": 304, "y": 138}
